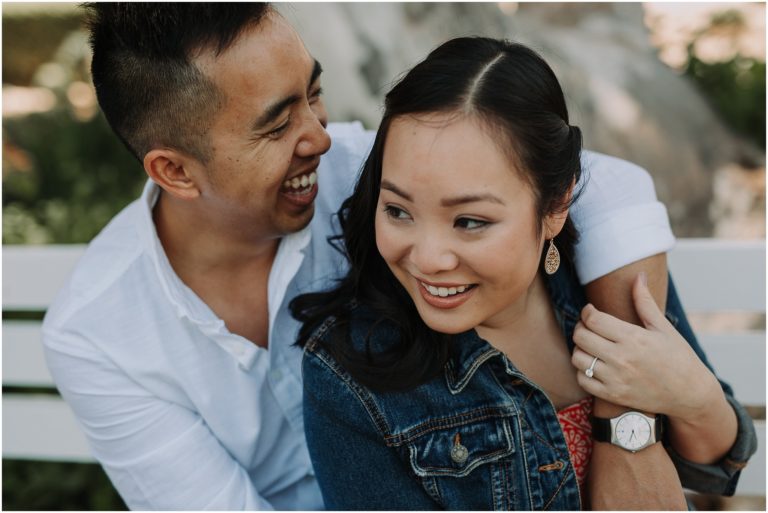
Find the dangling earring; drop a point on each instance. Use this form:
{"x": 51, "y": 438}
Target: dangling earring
{"x": 552, "y": 260}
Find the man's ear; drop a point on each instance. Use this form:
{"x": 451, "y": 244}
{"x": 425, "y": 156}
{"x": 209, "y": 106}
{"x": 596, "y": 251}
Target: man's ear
{"x": 174, "y": 171}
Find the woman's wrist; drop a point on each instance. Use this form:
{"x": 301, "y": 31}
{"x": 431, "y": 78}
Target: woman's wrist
{"x": 605, "y": 409}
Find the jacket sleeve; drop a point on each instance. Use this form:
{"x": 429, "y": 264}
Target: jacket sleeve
{"x": 354, "y": 467}
{"x": 158, "y": 454}
{"x": 723, "y": 476}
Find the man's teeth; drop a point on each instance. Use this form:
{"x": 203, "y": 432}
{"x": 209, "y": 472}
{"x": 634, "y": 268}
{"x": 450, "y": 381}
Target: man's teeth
{"x": 301, "y": 182}
{"x": 445, "y": 291}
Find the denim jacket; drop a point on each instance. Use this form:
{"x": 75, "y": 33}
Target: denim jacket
{"x": 482, "y": 436}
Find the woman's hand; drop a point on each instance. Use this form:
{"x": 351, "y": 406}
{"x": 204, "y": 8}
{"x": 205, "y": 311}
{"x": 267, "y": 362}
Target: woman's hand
{"x": 652, "y": 369}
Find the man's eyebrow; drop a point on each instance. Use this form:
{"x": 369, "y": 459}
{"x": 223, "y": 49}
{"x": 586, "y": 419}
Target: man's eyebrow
{"x": 316, "y": 71}
{"x": 273, "y": 111}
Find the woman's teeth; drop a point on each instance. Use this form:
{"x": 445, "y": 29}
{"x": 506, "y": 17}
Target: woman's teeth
{"x": 301, "y": 182}
{"x": 445, "y": 291}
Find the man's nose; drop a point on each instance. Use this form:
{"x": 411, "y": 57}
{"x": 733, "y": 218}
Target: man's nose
{"x": 315, "y": 139}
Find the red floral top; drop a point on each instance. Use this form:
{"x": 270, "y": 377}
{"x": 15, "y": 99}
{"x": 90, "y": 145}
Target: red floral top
{"x": 577, "y": 428}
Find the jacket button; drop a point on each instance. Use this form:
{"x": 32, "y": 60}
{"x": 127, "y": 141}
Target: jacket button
{"x": 459, "y": 453}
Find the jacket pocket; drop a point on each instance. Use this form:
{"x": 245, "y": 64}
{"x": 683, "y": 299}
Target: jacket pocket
{"x": 459, "y": 448}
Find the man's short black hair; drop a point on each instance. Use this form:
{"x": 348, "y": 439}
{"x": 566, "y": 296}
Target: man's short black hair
{"x": 149, "y": 89}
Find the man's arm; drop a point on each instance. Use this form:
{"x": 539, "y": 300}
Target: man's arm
{"x": 619, "y": 479}
{"x": 623, "y": 231}
{"x": 158, "y": 454}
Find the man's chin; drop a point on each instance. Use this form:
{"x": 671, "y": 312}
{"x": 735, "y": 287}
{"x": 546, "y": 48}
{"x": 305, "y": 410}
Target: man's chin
{"x": 299, "y": 221}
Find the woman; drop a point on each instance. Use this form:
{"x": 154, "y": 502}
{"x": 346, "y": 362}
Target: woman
{"x": 447, "y": 380}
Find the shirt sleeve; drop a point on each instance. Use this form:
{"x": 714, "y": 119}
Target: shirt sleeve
{"x": 344, "y": 441}
{"x": 158, "y": 454}
{"x": 618, "y": 217}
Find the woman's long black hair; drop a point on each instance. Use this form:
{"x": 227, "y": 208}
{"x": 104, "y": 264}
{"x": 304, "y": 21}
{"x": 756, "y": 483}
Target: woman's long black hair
{"x": 513, "y": 91}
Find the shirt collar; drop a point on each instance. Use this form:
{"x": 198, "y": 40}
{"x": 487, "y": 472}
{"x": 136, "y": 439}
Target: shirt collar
{"x": 184, "y": 301}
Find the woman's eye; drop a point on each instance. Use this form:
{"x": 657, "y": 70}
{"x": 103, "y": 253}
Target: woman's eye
{"x": 467, "y": 223}
{"x": 396, "y": 213}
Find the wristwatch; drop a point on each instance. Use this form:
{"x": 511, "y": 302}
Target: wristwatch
{"x": 631, "y": 430}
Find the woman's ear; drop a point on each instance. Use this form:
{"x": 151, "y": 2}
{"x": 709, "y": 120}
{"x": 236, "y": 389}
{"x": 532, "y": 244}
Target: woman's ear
{"x": 554, "y": 222}
{"x": 175, "y": 172}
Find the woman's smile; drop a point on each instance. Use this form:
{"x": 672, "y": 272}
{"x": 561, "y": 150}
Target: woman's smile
{"x": 445, "y": 295}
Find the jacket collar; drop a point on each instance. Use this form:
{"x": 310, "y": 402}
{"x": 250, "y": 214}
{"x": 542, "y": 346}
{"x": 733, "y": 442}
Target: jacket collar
{"x": 469, "y": 352}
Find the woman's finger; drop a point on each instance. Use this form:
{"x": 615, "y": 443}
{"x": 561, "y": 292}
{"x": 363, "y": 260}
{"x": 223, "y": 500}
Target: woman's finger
{"x": 592, "y": 343}
{"x": 583, "y": 361}
{"x": 645, "y": 306}
{"x": 609, "y": 327}
{"x": 593, "y": 386}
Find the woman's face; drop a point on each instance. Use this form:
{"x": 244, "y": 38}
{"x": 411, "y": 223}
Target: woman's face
{"x": 456, "y": 223}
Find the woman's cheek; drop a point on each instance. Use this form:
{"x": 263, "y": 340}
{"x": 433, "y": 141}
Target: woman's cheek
{"x": 386, "y": 240}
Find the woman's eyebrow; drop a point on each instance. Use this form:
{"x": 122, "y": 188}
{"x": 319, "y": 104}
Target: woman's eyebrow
{"x": 447, "y": 202}
{"x": 386, "y": 184}
{"x": 471, "y": 198}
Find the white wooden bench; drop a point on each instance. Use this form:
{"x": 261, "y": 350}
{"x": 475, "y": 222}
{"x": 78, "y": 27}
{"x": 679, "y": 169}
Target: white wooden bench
{"x": 711, "y": 276}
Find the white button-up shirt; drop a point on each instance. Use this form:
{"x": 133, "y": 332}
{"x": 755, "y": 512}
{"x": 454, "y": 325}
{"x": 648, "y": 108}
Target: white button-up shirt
{"x": 184, "y": 414}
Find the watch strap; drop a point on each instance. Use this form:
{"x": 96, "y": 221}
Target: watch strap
{"x": 601, "y": 428}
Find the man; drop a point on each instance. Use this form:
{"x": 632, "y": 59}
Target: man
{"x": 172, "y": 341}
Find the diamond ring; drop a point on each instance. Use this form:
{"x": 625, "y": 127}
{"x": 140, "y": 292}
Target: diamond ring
{"x": 591, "y": 370}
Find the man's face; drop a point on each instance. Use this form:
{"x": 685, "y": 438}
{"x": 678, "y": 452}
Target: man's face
{"x": 269, "y": 134}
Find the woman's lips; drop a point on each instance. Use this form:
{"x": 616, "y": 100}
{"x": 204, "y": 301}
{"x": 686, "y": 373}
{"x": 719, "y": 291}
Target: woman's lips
{"x": 448, "y": 296}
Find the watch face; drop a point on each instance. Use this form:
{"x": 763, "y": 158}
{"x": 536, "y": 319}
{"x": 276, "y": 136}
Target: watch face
{"x": 633, "y": 431}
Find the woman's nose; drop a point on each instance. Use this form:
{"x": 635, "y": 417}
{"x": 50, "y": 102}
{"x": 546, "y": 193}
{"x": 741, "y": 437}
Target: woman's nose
{"x": 432, "y": 256}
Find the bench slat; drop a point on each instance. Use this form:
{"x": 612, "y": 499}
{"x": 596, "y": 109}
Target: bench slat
{"x": 32, "y": 275}
{"x": 23, "y": 359}
{"x": 739, "y": 360}
{"x": 44, "y": 428}
{"x": 40, "y": 427}
{"x": 715, "y": 275}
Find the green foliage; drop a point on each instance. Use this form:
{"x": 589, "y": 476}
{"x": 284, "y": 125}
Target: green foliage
{"x": 41, "y": 485}
{"x": 70, "y": 179}
{"x": 736, "y": 89}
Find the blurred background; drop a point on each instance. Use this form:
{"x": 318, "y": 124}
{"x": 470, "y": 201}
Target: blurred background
{"x": 677, "y": 88}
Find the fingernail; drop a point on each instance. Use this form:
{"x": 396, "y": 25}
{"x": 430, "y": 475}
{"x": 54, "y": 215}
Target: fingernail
{"x": 643, "y": 279}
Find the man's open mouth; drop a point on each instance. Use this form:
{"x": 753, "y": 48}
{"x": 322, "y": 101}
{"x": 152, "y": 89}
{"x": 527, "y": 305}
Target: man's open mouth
{"x": 300, "y": 185}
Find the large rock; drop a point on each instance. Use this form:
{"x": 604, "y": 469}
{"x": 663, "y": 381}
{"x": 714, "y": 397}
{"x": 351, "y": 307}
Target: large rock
{"x": 628, "y": 103}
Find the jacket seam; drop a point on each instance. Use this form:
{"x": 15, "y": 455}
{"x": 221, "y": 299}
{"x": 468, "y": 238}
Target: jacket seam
{"x": 461, "y": 419}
